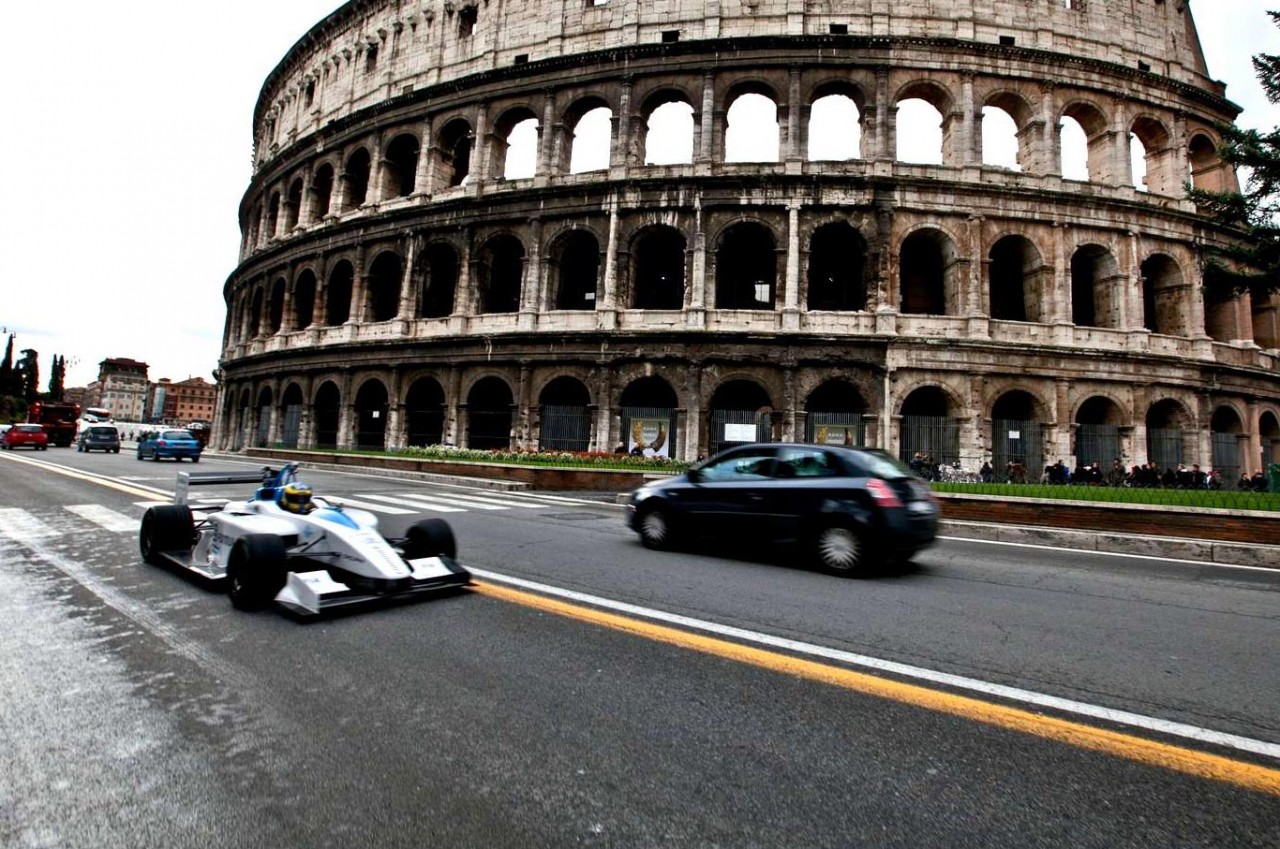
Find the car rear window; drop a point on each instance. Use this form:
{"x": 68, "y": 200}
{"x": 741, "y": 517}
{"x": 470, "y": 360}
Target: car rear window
{"x": 882, "y": 466}
{"x": 30, "y": 428}
{"x": 103, "y": 431}
{"x": 176, "y": 434}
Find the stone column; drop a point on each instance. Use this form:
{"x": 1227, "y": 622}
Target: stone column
{"x": 620, "y": 149}
{"x": 423, "y": 173}
{"x": 882, "y": 120}
{"x": 795, "y": 130}
{"x": 358, "y": 288}
{"x": 704, "y": 152}
{"x": 791, "y": 293}
{"x": 606, "y": 308}
{"x": 408, "y": 282}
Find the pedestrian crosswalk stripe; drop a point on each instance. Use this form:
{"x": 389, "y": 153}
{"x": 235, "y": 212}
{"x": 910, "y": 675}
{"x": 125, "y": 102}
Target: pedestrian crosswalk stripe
{"x": 469, "y": 500}
{"x": 440, "y": 508}
{"x": 435, "y": 502}
{"x": 370, "y": 506}
{"x": 104, "y": 518}
{"x": 20, "y": 526}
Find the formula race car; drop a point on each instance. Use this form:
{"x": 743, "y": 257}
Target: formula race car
{"x": 302, "y": 552}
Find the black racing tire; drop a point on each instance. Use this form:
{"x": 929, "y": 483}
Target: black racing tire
{"x": 256, "y": 571}
{"x": 840, "y": 549}
{"x": 656, "y": 528}
{"x": 430, "y": 538}
{"x": 168, "y": 527}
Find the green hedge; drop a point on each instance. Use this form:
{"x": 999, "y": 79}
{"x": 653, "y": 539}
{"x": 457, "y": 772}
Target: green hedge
{"x": 1223, "y": 499}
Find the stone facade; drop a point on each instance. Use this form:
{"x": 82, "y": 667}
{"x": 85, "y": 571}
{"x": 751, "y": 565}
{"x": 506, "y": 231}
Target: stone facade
{"x": 400, "y": 284}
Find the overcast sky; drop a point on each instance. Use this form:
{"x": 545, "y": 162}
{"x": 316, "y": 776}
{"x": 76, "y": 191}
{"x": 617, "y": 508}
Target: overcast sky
{"x": 126, "y": 150}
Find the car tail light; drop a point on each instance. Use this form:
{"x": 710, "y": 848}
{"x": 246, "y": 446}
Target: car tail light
{"x": 883, "y": 494}
{"x": 162, "y": 444}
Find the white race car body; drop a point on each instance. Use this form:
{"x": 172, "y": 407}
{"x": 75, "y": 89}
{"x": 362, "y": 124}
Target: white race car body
{"x": 330, "y": 556}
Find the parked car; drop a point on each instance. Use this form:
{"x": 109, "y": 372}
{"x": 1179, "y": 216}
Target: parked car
{"x": 99, "y": 437}
{"x": 25, "y": 436}
{"x": 172, "y": 443}
{"x": 850, "y": 508}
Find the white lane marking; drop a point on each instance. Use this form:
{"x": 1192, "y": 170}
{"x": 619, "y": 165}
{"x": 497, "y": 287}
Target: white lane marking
{"x": 20, "y": 526}
{"x": 104, "y": 518}
{"x": 1123, "y": 554}
{"x": 440, "y": 508}
{"x": 468, "y": 500}
{"x": 558, "y": 499}
{"x": 434, "y": 502}
{"x": 370, "y": 506}
{"x": 1136, "y": 720}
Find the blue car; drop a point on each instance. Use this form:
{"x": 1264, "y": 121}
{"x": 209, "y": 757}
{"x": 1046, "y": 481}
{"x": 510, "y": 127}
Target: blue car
{"x": 169, "y": 443}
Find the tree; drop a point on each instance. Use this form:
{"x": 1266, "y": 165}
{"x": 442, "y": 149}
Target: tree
{"x": 57, "y": 378}
{"x": 1251, "y": 263}
{"x": 29, "y": 369}
{"x": 8, "y": 385}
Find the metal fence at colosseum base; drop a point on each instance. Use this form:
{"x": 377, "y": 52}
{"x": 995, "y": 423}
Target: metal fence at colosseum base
{"x": 564, "y": 428}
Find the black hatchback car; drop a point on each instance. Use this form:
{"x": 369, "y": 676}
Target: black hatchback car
{"x": 851, "y": 507}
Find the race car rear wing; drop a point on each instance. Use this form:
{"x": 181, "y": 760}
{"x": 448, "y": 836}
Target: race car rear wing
{"x": 186, "y": 480}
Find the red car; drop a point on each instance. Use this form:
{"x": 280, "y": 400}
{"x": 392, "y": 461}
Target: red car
{"x": 25, "y": 436}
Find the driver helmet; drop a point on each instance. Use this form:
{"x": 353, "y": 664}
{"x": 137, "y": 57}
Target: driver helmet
{"x": 295, "y": 497}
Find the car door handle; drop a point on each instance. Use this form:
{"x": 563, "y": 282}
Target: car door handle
{"x": 756, "y": 497}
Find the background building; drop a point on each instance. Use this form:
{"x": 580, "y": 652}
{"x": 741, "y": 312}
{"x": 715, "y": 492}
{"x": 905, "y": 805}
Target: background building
{"x": 122, "y": 388}
{"x": 436, "y": 250}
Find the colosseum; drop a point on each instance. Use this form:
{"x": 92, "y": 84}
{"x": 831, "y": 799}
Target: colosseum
{"x": 679, "y": 224}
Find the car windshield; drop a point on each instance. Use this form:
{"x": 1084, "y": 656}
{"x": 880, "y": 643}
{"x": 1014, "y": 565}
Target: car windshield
{"x": 102, "y": 431}
{"x": 176, "y": 434}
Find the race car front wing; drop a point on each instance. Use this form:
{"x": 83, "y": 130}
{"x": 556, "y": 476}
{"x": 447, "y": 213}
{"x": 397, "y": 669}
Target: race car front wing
{"x": 316, "y": 592}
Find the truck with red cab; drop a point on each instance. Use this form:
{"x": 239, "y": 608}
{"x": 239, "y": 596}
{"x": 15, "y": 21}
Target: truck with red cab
{"x": 60, "y": 420}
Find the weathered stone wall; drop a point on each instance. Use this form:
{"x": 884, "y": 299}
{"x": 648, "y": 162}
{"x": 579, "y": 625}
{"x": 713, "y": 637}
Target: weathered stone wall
{"x": 384, "y": 299}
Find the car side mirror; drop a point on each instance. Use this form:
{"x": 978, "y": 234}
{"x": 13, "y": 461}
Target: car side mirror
{"x": 694, "y": 475}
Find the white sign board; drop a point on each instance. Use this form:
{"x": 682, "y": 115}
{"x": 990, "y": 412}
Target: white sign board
{"x": 739, "y": 433}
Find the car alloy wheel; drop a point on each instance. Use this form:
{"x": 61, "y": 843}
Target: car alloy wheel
{"x": 655, "y": 529}
{"x": 839, "y": 549}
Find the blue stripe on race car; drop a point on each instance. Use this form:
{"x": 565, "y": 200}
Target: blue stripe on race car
{"x": 329, "y": 514}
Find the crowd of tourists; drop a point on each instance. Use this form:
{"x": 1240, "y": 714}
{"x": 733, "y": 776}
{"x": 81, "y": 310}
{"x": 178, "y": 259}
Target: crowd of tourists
{"x": 1146, "y": 475}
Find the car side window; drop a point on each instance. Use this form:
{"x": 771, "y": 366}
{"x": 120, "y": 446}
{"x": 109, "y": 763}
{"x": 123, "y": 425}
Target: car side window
{"x": 806, "y": 463}
{"x": 740, "y": 468}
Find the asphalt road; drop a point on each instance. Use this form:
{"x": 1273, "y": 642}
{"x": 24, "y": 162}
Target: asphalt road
{"x": 609, "y": 705}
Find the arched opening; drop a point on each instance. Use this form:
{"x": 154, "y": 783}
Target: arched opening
{"x": 371, "y": 415}
{"x": 256, "y": 322}
{"x": 751, "y": 129}
{"x": 835, "y": 415}
{"x": 1229, "y": 442}
{"x": 322, "y": 190}
{"x": 304, "y": 300}
{"x": 564, "y": 416}
{"x": 575, "y": 268}
{"x": 928, "y": 274}
{"x": 1097, "y": 435}
{"x": 275, "y": 306}
{"x": 999, "y": 139}
{"x": 1014, "y": 277}
{"x": 292, "y": 205}
{"x": 835, "y": 129}
{"x": 1168, "y": 431}
{"x": 384, "y": 286}
{"x": 1164, "y": 294}
{"x": 327, "y": 412}
{"x": 740, "y": 411}
{"x": 746, "y": 268}
{"x": 837, "y": 268}
{"x": 400, "y": 167}
{"x": 1097, "y": 288}
{"x": 273, "y": 215}
{"x": 338, "y": 294}
{"x": 648, "y": 417}
{"x": 658, "y": 274}
{"x": 424, "y": 410}
{"x": 453, "y": 154}
{"x": 356, "y": 175}
{"x": 489, "y": 413}
{"x": 1086, "y": 151}
{"x": 919, "y": 132}
{"x": 291, "y": 416}
{"x": 929, "y": 434}
{"x": 1017, "y": 444}
{"x": 592, "y": 134}
{"x": 1151, "y": 158}
{"x": 1208, "y": 171}
{"x": 500, "y": 273}
{"x": 668, "y": 138}
{"x": 262, "y": 429}
{"x": 441, "y": 282}
{"x": 516, "y": 140}
{"x": 1269, "y": 439}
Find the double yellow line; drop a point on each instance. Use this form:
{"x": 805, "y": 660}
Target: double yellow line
{"x": 1239, "y": 773}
